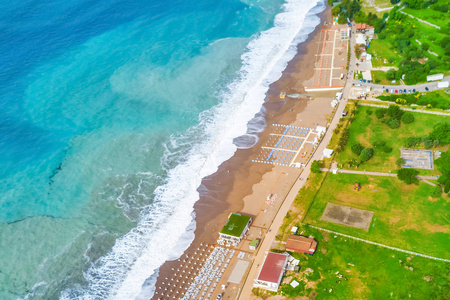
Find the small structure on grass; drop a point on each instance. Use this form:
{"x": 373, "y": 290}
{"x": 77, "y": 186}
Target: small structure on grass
{"x": 356, "y": 187}
{"x": 254, "y": 244}
{"x": 272, "y": 271}
{"x": 234, "y": 230}
{"x": 301, "y": 244}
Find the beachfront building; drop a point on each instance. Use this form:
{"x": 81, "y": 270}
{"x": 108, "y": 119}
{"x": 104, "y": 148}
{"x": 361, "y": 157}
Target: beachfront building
{"x": 234, "y": 230}
{"x": 301, "y": 244}
{"x": 269, "y": 277}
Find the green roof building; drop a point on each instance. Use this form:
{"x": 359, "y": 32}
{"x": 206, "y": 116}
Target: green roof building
{"x": 234, "y": 230}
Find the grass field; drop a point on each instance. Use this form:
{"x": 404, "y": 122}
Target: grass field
{"x": 430, "y": 15}
{"x": 366, "y": 129}
{"x": 381, "y": 75}
{"x": 382, "y": 52}
{"x": 368, "y": 272}
{"x": 405, "y": 216}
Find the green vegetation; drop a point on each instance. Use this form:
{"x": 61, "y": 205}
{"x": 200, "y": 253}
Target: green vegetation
{"x": 315, "y": 167}
{"x": 235, "y": 225}
{"x": 301, "y": 204}
{"x": 437, "y": 99}
{"x": 366, "y": 271}
{"x": 369, "y": 130}
{"x": 443, "y": 165}
{"x": 405, "y": 216}
{"x": 408, "y": 176}
{"x": 436, "y": 14}
{"x": 404, "y": 42}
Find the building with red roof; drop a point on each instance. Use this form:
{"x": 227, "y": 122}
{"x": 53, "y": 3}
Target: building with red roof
{"x": 272, "y": 271}
{"x": 301, "y": 244}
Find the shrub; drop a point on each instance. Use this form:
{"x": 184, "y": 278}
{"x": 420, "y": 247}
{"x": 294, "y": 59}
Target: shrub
{"x": 394, "y": 111}
{"x": 379, "y": 143}
{"x": 400, "y": 162}
{"x": 436, "y": 192}
{"x": 366, "y": 154}
{"x": 380, "y": 113}
{"x": 315, "y": 167}
{"x": 408, "y": 175}
{"x": 407, "y": 118}
{"x": 441, "y": 132}
{"x": 392, "y": 123}
{"x": 369, "y": 112}
{"x": 412, "y": 141}
{"x": 387, "y": 149}
{"x": 427, "y": 142}
{"x": 357, "y": 148}
{"x": 447, "y": 187}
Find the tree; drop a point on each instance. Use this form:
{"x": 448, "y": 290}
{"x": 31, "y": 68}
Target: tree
{"x": 366, "y": 154}
{"x": 407, "y": 118}
{"x": 427, "y": 142}
{"x": 357, "y": 148}
{"x": 400, "y": 162}
{"x": 443, "y": 165}
{"x": 336, "y": 10}
{"x": 394, "y": 111}
{"x": 408, "y": 175}
{"x": 315, "y": 167}
{"x": 436, "y": 192}
{"x": 447, "y": 187}
{"x": 441, "y": 132}
{"x": 392, "y": 123}
{"x": 342, "y": 20}
{"x": 390, "y": 74}
{"x": 380, "y": 113}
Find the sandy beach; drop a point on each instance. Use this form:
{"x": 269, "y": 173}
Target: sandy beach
{"x": 241, "y": 185}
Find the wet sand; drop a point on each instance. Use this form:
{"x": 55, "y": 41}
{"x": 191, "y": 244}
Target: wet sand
{"x": 234, "y": 187}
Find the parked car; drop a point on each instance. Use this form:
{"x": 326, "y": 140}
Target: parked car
{"x": 364, "y": 80}
{"x": 387, "y": 90}
{"x": 392, "y": 90}
{"x": 396, "y": 91}
{"x": 426, "y": 88}
{"x": 414, "y": 90}
{"x": 404, "y": 91}
{"x": 400, "y": 91}
{"x": 409, "y": 91}
{"x": 368, "y": 81}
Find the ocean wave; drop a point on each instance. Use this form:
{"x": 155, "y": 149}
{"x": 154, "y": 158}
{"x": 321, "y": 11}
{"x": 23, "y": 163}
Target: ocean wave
{"x": 137, "y": 255}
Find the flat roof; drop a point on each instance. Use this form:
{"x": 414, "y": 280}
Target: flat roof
{"x": 273, "y": 267}
{"x": 254, "y": 242}
{"x": 238, "y": 271}
{"x": 300, "y": 243}
{"x": 235, "y": 225}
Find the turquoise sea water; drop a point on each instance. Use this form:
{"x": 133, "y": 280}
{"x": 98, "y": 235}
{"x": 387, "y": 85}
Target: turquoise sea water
{"x": 107, "y": 109}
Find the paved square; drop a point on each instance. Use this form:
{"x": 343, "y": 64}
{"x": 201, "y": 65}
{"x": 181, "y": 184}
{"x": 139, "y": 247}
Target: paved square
{"x": 417, "y": 158}
{"x": 346, "y": 215}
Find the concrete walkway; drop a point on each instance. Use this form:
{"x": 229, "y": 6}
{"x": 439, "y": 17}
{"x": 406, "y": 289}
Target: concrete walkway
{"x": 381, "y": 245}
{"x": 379, "y": 174}
{"x": 408, "y": 109}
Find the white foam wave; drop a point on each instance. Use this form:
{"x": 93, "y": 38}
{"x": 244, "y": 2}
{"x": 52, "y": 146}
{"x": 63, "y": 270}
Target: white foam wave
{"x": 137, "y": 255}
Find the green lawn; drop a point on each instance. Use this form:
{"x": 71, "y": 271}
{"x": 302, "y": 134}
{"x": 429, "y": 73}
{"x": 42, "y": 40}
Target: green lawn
{"x": 430, "y": 15}
{"x": 368, "y": 272}
{"x": 381, "y": 75}
{"x": 382, "y": 52}
{"x": 405, "y": 216}
{"x": 366, "y": 129}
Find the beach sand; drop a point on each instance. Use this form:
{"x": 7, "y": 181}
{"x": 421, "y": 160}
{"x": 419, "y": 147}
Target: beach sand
{"x": 241, "y": 185}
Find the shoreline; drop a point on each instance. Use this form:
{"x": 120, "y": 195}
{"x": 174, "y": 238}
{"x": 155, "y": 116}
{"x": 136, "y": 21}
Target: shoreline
{"x": 238, "y": 178}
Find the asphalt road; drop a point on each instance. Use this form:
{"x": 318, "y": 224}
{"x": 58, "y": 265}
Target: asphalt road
{"x": 432, "y": 86}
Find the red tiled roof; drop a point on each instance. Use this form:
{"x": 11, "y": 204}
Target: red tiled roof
{"x": 273, "y": 267}
{"x": 298, "y": 243}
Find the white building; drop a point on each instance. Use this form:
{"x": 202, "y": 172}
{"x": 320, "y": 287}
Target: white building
{"x": 272, "y": 271}
{"x": 435, "y": 77}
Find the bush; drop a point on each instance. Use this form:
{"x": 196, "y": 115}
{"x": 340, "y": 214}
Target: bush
{"x": 447, "y": 187}
{"x": 387, "y": 149}
{"x": 436, "y": 192}
{"x": 379, "y": 144}
{"x": 394, "y": 111}
{"x": 408, "y": 118}
{"x": 357, "y": 149}
{"x": 427, "y": 142}
{"x": 380, "y": 113}
{"x": 400, "y": 162}
{"x": 369, "y": 112}
{"x": 412, "y": 141}
{"x": 315, "y": 167}
{"x": 441, "y": 132}
{"x": 408, "y": 175}
{"x": 366, "y": 154}
{"x": 392, "y": 123}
